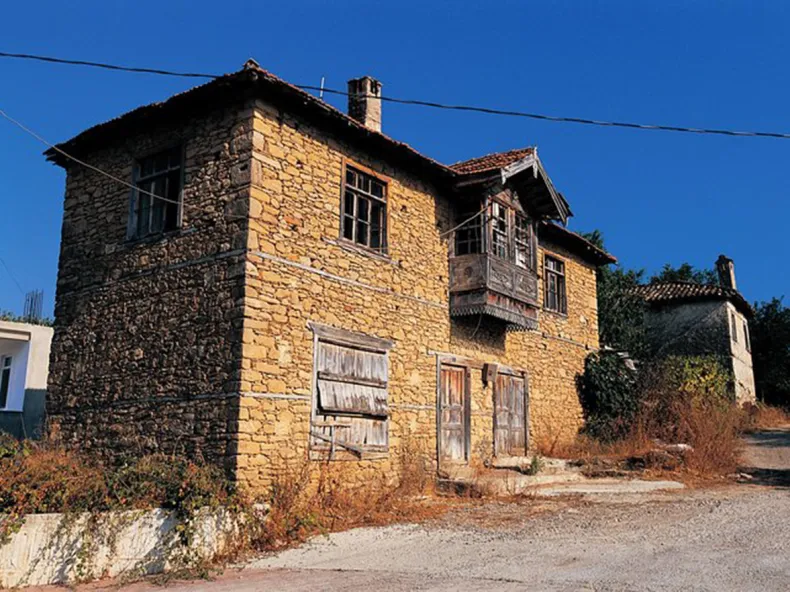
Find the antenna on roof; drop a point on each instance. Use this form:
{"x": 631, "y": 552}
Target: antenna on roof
{"x": 34, "y": 305}
{"x": 321, "y": 92}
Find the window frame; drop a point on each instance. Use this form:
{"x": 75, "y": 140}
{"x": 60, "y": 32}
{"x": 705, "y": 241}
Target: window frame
{"x": 6, "y": 365}
{"x": 527, "y": 243}
{"x": 470, "y": 235}
{"x": 734, "y": 327}
{"x": 134, "y": 231}
{"x": 371, "y": 199}
{"x": 746, "y": 337}
{"x": 561, "y": 285}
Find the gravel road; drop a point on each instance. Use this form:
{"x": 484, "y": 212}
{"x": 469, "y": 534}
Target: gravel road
{"x": 735, "y": 538}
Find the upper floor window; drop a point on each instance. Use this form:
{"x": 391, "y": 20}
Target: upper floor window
{"x": 364, "y": 210}
{"x": 500, "y": 230}
{"x": 523, "y": 241}
{"x": 157, "y": 175}
{"x": 746, "y": 338}
{"x": 469, "y": 237}
{"x": 554, "y": 295}
{"x": 734, "y": 326}
{"x": 5, "y": 379}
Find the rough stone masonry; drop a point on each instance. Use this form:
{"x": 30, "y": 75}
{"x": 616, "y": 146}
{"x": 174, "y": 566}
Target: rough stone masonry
{"x": 201, "y": 339}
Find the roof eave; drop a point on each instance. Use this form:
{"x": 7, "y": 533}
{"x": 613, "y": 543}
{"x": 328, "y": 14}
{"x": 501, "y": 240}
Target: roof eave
{"x": 542, "y": 189}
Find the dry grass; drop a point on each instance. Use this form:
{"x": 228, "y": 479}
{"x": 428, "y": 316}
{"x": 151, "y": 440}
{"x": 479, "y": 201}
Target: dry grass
{"x": 710, "y": 428}
{"x": 761, "y": 416}
{"x": 308, "y": 500}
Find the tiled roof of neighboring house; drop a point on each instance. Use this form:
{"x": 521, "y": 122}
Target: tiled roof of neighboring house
{"x": 574, "y": 242}
{"x": 667, "y": 292}
{"x": 490, "y": 162}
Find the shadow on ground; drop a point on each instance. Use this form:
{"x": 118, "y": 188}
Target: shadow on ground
{"x": 766, "y": 457}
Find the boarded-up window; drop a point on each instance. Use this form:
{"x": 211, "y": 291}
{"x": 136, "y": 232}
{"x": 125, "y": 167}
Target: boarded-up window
{"x": 350, "y": 403}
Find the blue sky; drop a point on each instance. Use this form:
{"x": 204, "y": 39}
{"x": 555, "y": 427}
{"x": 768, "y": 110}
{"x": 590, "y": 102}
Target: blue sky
{"x": 658, "y": 197}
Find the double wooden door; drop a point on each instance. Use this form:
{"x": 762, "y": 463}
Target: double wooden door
{"x": 511, "y": 409}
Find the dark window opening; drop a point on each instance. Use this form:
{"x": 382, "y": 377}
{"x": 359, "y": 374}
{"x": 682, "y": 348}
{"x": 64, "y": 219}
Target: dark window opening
{"x": 5, "y": 380}
{"x": 364, "y": 212}
{"x": 554, "y": 298}
{"x": 469, "y": 237}
{"x": 157, "y": 175}
{"x": 746, "y": 339}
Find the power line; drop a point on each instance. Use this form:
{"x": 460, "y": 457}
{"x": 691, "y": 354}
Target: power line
{"x": 52, "y": 60}
{"x": 421, "y": 103}
{"x": 11, "y": 275}
{"x": 87, "y": 165}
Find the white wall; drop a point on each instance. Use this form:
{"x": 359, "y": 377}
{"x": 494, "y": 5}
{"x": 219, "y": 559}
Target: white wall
{"x": 745, "y": 390}
{"x": 28, "y": 345}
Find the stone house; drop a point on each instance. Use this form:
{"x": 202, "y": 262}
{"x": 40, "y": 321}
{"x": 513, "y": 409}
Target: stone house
{"x": 24, "y": 366}
{"x": 685, "y": 318}
{"x": 284, "y": 282}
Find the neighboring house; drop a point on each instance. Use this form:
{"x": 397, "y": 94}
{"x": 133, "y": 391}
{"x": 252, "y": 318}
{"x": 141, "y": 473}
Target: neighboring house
{"x": 302, "y": 289}
{"x": 24, "y": 364}
{"x": 694, "y": 319}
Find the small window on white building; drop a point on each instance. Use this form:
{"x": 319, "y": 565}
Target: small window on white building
{"x": 5, "y": 379}
{"x": 746, "y": 338}
{"x": 734, "y": 328}
{"x": 350, "y": 404}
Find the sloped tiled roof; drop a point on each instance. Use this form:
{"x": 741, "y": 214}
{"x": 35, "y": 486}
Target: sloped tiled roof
{"x": 490, "y": 162}
{"x": 665, "y": 292}
{"x": 574, "y": 242}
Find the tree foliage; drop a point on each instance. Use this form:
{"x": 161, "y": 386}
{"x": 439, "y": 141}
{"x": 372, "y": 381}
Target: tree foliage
{"x": 620, "y": 312}
{"x": 770, "y": 333}
{"x": 609, "y": 397}
{"x": 686, "y": 273}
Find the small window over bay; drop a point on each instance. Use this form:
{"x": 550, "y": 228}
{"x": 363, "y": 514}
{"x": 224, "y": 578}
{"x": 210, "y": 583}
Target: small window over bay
{"x": 364, "y": 210}
{"x": 554, "y": 290}
{"x": 156, "y": 201}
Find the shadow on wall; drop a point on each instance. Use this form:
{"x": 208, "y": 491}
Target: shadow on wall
{"x": 480, "y": 331}
{"x": 30, "y": 422}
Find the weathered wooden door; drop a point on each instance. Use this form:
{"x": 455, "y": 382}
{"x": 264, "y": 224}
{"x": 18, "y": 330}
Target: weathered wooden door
{"x": 453, "y": 420}
{"x": 510, "y": 415}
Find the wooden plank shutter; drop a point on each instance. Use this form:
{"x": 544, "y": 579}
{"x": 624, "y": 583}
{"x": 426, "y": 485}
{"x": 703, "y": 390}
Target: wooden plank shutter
{"x": 452, "y": 392}
{"x": 351, "y": 381}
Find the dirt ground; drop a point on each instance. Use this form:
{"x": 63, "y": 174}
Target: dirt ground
{"x": 734, "y": 537}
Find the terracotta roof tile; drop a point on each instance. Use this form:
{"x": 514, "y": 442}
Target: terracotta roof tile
{"x": 661, "y": 292}
{"x": 490, "y": 162}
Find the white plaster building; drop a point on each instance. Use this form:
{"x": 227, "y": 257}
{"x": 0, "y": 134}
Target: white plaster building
{"x": 24, "y": 365}
{"x": 686, "y": 318}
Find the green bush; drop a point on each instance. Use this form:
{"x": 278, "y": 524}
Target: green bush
{"x": 608, "y": 396}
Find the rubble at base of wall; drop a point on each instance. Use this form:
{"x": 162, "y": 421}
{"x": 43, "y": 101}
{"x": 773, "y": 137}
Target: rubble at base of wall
{"x": 66, "y": 548}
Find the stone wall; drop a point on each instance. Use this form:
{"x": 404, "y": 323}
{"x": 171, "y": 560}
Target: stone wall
{"x": 199, "y": 342}
{"x": 299, "y": 271}
{"x": 146, "y": 351}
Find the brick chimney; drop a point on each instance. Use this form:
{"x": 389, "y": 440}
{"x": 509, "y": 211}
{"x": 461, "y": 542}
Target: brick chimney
{"x": 364, "y": 101}
{"x": 726, "y": 269}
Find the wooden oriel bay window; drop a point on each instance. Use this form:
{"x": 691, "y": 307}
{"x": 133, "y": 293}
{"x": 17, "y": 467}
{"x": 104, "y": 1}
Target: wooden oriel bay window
{"x": 554, "y": 294}
{"x": 364, "y": 210}
{"x": 502, "y": 231}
